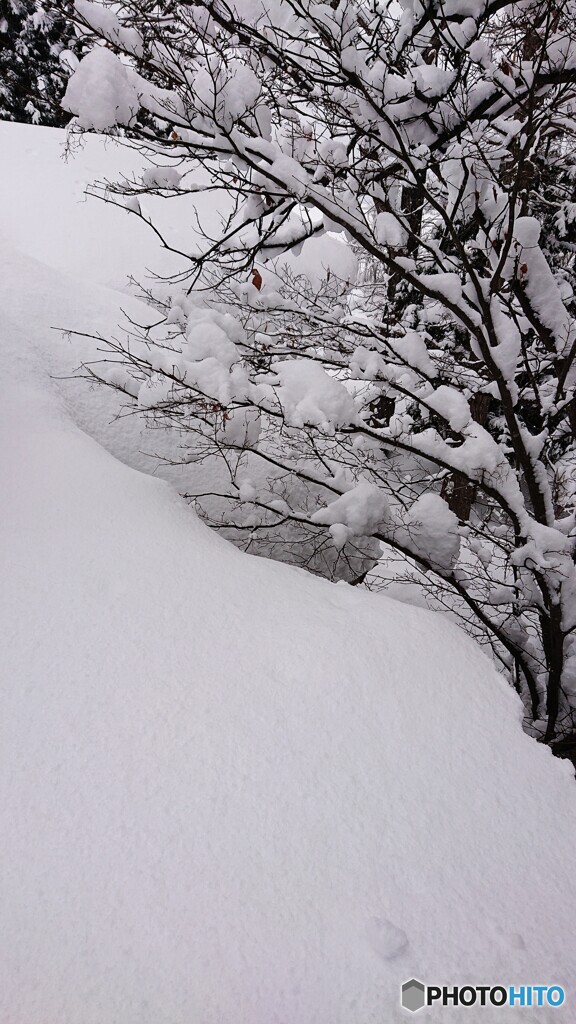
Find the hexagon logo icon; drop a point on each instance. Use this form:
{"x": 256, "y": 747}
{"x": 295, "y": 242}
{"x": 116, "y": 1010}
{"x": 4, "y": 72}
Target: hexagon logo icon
{"x": 413, "y": 995}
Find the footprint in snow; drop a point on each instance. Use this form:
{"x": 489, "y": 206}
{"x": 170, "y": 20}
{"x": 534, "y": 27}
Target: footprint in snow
{"x": 511, "y": 939}
{"x": 386, "y": 938}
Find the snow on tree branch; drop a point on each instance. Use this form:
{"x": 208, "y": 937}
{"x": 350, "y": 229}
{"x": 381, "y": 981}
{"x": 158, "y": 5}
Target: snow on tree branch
{"x": 412, "y": 385}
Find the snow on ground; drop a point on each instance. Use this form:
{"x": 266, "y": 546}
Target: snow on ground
{"x": 45, "y": 211}
{"x": 232, "y": 793}
{"x": 68, "y": 260}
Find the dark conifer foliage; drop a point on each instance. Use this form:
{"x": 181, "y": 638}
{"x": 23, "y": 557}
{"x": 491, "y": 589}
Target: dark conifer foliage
{"x": 33, "y": 76}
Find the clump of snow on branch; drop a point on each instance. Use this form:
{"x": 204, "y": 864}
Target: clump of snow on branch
{"x": 102, "y": 92}
{"x": 361, "y": 511}
{"x": 432, "y": 531}
{"x": 452, "y": 405}
{"x": 310, "y": 396}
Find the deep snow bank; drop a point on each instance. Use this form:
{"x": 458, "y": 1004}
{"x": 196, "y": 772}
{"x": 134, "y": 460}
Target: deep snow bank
{"x": 232, "y": 793}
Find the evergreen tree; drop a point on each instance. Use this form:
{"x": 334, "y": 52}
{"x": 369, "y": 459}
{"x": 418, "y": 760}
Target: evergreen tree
{"x": 33, "y": 77}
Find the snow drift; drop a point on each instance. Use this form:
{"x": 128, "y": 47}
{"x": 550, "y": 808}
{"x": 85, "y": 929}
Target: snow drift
{"x": 232, "y": 792}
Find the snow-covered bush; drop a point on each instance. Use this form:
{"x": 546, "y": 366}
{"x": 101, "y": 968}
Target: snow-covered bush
{"x": 419, "y": 390}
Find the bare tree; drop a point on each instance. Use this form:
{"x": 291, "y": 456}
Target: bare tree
{"x": 426, "y": 402}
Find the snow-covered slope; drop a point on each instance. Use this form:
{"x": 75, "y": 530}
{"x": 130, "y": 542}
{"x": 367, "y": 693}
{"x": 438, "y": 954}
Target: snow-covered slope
{"x": 46, "y": 213}
{"x": 231, "y": 793}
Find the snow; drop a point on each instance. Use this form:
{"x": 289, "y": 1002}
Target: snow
{"x": 432, "y": 529}
{"x": 319, "y": 256}
{"x": 389, "y": 230}
{"x": 101, "y": 92}
{"x": 206, "y": 339}
{"x": 527, "y": 231}
{"x": 231, "y": 93}
{"x": 396, "y": 87}
{"x": 105, "y": 21}
{"x": 543, "y": 290}
{"x": 50, "y": 218}
{"x": 231, "y": 792}
{"x": 161, "y": 177}
{"x": 412, "y": 350}
{"x": 450, "y": 404}
{"x": 363, "y": 510}
{"x": 432, "y": 80}
{"x": 446, "y": 286}
{"x": 291, "y": 175}
{"x": 463, "y": 8}
{"x": 309, "y": 395}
